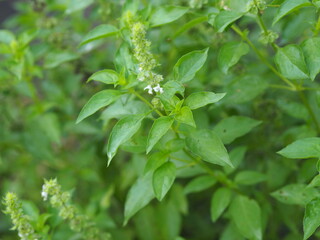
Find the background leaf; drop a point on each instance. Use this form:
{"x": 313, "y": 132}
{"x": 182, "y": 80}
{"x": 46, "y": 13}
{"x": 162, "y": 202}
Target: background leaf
{"x": 200, "y": 99}
{"x": 302, "y": 148}
{"x": 311, "y": 219}
{"x": 165, "y": 14}
{"x": 163, "y": 178}
{"x": 101, "y": 31}
{"x": 219, "y": 202}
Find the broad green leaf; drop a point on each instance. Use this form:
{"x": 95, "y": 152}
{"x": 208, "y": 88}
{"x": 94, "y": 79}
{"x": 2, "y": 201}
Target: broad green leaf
{"x": 199, "y": 184}
{"x": 76, "y": 5}
{"x": 54, "y": 59}
{"x": 315, "y": 181}
{"x": 200, "y": 99}
{"x": 249, "y": 177}
{"x": 311, "y": 220}
{"x": 163, "y": 178}
{"x": 189, "y": 64}
{"x": 295, "y": 194}
{"x": 105, "y": 76}
{"x": 122, "y": 132}
{"x": 302, "y": 148}
{"x": 158, "y": 129}
{"x": 231, "y": 128}
{"x": 155, "y": 161}
{"x": 166, "y": 14}
{"x": 245, "y": 88}
{"x": 101, "y": 31}
{"x": 294, "y": 109}
{"x": 207, "y": 145}
{"x": 246, "y": 215}
{"x": 230, "y": 54}
{"x": 225, "y": 18}
{"x": 98, "y": 101}
{"x": 289, "y": 6}
{"x": 6, "y": 36}
{"x": 185, "y": 116}
{"x": 219, "y": 202}
{"x": 139, "y": 195}
{"x": 290, "y": 61}
{"x": 311, "y": 49}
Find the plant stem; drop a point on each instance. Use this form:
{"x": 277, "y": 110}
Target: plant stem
{"x": 146, "y": 102}
{"x": 263, "y": 59}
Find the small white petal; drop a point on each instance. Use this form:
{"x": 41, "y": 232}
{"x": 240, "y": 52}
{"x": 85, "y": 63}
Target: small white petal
{"x": 149, "y": 89}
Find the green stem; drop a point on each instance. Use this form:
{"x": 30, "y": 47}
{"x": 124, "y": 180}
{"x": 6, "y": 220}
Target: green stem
{"x": 146, "y": 102}
{"x": 263, "y": 59}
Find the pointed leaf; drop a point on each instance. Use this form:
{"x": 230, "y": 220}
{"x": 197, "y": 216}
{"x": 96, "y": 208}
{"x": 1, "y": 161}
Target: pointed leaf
{"x": 230, "y": 54}
{"x": 189, "y": 64}
{"x": 295, "y": 194}
{"x": 311, "y": 220}
{"x": 231, "y": 128}
{"x": 105, "y": 76}
{"x": 158, "y": 129}
{"x": 122, "y": 132}
{"x": 200, "y": 99}
{"x": 249, "y": 177}
{"x": 139, "y": 195}
{"x": 219, "y": 202}
{"x": 246, "y": 215}
{"x": 101, "y": 31}
{"x": 98, "y": 101}
{"x": 185, "y": 116}
{"x": 209, "y": 147}
{"x": 166, "y": 14}
{"x": 302, "y": 148}
{"x": 290, "y": 61}
{"x": 311, "y": 49}
{"x": 163, "y": 178}
{"x": 289, "y": 6}
{"x": 225, "y": 18}
{"x": 199, "y": 184}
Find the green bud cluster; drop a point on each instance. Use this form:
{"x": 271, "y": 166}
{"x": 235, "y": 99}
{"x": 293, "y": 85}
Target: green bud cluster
{"x": 268, "y": 37}
{"x": 145, "y": 59}
{"x": 61, "y": 200}
{"x": 256, "y": 6}
{"x": 21, "y": 222}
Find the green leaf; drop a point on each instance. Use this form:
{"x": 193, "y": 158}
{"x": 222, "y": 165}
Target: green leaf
{"x": 54, "y": 59}
{"x": 76, "y": 5}
{"x": 290, "y": 61}
{"x": 185, "y": 116}
{"x": 231, "y": 128}
{"x": 158, "y": 129}
{"x": 139, "y": 195}
{"x": 200, "y": 99}
{"x": 105, "y": 76}
{"x": 98, "y": 101}
{"x": 6, "y": 36}
{"x": 246, "y": 215}
{"x": 295, "y": 194}
{"x": 207, "y": 145}
{"x": 199, "y": 184}
{"x": 302, "y": 148}
{"x": 219, "y": 202}
{"x": 155, "y": 161}
{"x": 163, "y": 178}
{"x": 249, "y": 177}
{"x": 230, "y": 54}
{"x": 101, "y": 31}
{"x": 122, "y": 132}
{"x": 166, "y": 14}
{"x": 289, "y": 6}
{"x": 315, "y": 182}
{"x": 225, "y": 18}
{"x": 311, "y": 220}
{"x": 311, "y": 49}
{"x": 189, "y": 64}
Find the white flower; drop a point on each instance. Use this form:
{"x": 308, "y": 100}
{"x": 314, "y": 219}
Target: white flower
{"x": 158, "y": 89}
{"x": 149, "y": 89}
{"x": 44, "y": 193}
